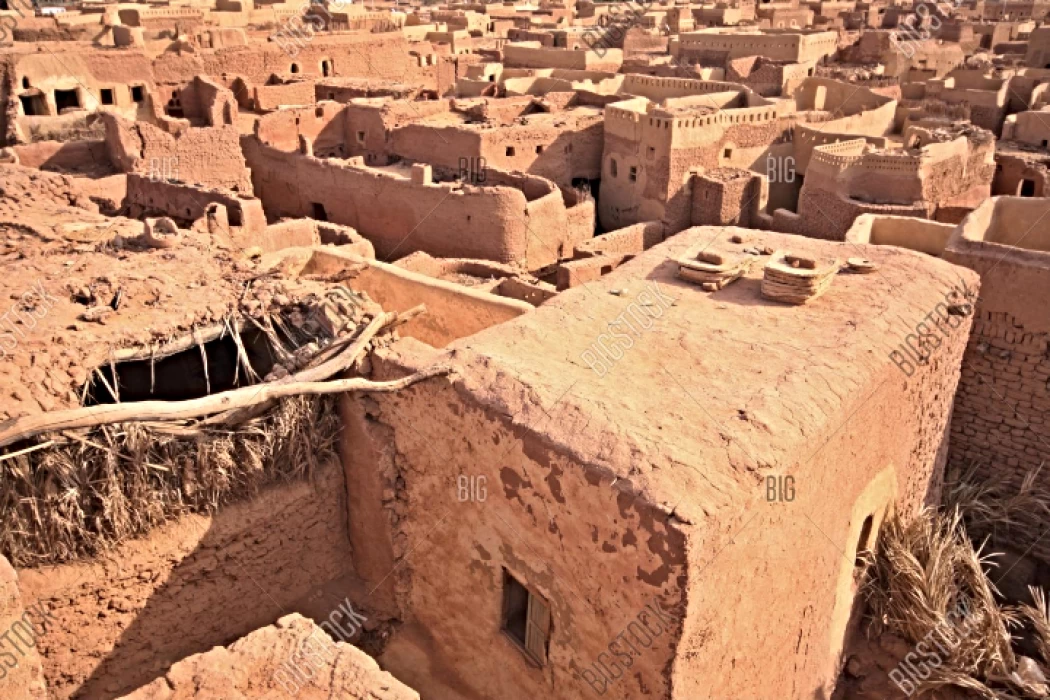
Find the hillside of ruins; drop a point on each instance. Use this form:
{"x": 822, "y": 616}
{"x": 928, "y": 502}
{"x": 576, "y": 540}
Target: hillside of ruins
{"x": 567, "y": 349}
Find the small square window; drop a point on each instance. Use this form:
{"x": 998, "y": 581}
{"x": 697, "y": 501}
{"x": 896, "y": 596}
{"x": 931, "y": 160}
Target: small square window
{"x": 106, "y": 95}
{"x": 510, "y": 150}
{"x": 727, "y": 153}
{"x": 526, "y": 619}
{"x": 136, "y": 93}
{"x": 360, "y": 137}
{"x": 633, "y": 174}
{"x": 539, "y": 149}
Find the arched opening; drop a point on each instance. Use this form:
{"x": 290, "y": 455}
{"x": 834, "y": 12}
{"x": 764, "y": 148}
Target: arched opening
{"x": 326, "y": 68}
{"x": 25, "y": 82}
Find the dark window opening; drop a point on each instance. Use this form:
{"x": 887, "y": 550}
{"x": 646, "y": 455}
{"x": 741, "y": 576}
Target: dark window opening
{"x": 510, "y": 150}
{"x": 727, "y": 153}
{"x": 326, "y": 68}
{"x": 1027, "y": 188}
{"x": 526, "y": 619}
{"x": 492, "y": 78}
{"x": 25, "y": 79}
{"x": 539, "y": 149}
{"x": 1046, "y": 142}
{"x": 318, "y": 212}
{"x": 632, "y": 175}
{"x": 106, "y": 95}
{"x": 136, "y": 93}
{"x": 360, "y": 137}
{"x": 182, "y": 376}
{"x": 33, "y": 105}
{"x": 863, "y": 543}
{"x": 294, "y": 68}
{"x": 66, "y": 99}
{"x": 515, "y": 608}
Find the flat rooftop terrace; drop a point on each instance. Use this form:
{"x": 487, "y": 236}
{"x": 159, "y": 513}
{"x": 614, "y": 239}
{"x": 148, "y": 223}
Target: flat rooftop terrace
{"x": 766, "y": 379}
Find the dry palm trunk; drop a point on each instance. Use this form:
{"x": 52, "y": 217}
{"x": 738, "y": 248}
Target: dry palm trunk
{"x": 234, "y": 403}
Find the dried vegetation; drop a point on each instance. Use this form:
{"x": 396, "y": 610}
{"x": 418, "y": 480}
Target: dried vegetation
{"x": 928, "y": 582}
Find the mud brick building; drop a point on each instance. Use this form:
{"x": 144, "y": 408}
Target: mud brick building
{"x": 579, "y": 519}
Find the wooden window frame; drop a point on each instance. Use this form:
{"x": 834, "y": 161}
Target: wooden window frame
{"x": 537, "y": 622}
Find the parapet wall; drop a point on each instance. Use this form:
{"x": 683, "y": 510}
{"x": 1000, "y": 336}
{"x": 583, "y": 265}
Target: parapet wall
{"x": 928, "y": 237}
{"x": 661, "y": 88}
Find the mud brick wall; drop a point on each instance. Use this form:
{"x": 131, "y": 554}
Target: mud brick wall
{"x": 631, "y": 239}
{"x": 217, "y": 104}
{"x": 269, "y": 97}
{"x": 382, "y": 56}
{"x": 207, "y": 156}
{"x": 1002, "y": 408}
{"x": 193, "y": 584}
{"x": 824, "y": 214}
{"x": 726, "y": 202}
{"x": 186, "y": 203}
{"x": 401, "y": 217}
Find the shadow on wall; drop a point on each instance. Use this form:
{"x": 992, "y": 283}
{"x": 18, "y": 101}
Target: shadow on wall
{"x": 197, "y": 583}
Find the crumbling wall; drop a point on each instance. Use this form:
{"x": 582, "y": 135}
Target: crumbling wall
{"x": 322, "y": 125}
{"x": 192, "y": 584}
{"x": 187, "y": 203}
{"x": 385, "y": 56}
{"x": 726, "y": 197}
{"x": 400, "y": 216}
{"x": 280, "y": 661}
{"x": 218, "y": 105}
{"x": 207, "y": 156}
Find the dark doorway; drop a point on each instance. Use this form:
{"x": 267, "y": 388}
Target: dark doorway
{"x": 106, "y": 95}
{"x": 1027, "y": 188}
{"x": 136, "y": 93}
{"x": 318, "y": 212}
{"x": 66, "y": 99}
